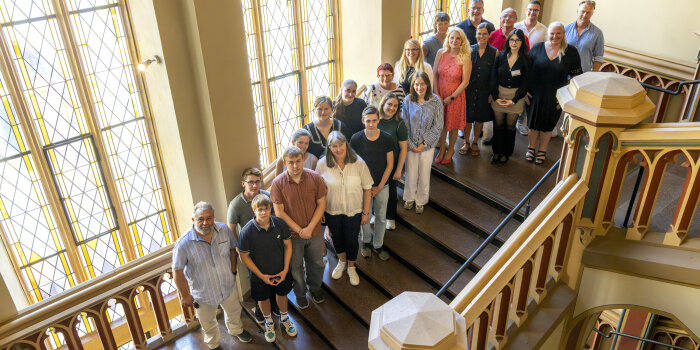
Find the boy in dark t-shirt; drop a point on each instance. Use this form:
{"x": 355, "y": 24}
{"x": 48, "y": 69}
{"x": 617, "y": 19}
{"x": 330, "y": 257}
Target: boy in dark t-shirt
{"x": 376, "y": 148}
{"x": 265, "y": 247}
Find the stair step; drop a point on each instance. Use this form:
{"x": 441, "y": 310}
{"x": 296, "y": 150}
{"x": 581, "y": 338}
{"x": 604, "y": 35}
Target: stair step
{"x": 426, "y": 258}
{"x": 361, "y": 299}
{"x": 482, "y": 216}
{"x": 450, "y": 235}
{"x": 334, "y": 322}
{"x": 392, "y": 275}
{"x": 306, "y": 337}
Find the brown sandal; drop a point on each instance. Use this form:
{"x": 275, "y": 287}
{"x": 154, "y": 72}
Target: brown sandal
{"x": 475, "y": 149}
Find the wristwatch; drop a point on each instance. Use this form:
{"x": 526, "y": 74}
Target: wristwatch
{"x": 452, "y": 98}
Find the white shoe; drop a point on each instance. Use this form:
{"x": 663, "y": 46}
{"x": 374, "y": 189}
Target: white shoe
{"x": 371, "y": 220}
{"x": 408, "y": 205}
{"x": 338, "y": 270}
{"x": 390, "y": 225}
{"x": 352, "y": 274}
{"x": 419, "y": 209}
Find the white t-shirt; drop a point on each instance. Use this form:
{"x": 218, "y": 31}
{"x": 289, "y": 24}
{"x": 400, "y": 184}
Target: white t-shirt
{"x": 538, "y": 33}
{"x": 345, "y": 187}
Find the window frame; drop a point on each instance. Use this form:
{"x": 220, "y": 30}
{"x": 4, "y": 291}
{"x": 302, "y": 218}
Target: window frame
{"x": 418, "y": 10}
{"x": 268, "y": 116}
{"x": 42, "y": 166}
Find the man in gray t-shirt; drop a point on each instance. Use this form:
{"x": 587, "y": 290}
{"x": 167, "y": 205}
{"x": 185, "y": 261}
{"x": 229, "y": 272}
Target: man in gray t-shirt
{"x": 239, "y": 209}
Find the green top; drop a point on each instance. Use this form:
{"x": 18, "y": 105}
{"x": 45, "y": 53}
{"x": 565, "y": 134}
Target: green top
{"x": 398, "y": 131}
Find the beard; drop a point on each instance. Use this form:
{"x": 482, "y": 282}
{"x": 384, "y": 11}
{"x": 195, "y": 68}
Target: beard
{"x": 203, "y": 230}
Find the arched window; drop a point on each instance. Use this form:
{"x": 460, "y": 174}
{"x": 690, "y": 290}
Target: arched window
{"x": 293, "y": 51}
{"x": 81, "y": 191}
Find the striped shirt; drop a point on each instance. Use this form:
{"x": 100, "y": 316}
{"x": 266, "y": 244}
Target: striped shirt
{"x": 207, "y": 267}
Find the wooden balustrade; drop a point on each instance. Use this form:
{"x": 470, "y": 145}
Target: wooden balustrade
{"x": 136, "y": 287}
{"x": 659, "y": 72}
{"x": 521, "y": 269}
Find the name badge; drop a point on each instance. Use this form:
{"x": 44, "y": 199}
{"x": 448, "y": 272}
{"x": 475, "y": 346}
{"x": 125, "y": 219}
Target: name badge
{"x": 515, "y": 73}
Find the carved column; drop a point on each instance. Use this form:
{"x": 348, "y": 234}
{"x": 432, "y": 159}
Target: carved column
{"x": 687, "y": 204}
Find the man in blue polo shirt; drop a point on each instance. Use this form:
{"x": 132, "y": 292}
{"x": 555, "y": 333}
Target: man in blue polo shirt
{"x": 204, "y": 270}
{"x": 266, "y": 249}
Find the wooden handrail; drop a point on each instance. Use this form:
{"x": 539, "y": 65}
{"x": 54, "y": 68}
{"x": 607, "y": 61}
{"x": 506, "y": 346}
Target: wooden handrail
{"x": 519, "y": 270}
{"x": 121, "y": 284}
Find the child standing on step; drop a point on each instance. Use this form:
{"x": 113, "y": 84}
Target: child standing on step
{"x": 265, "y": 247}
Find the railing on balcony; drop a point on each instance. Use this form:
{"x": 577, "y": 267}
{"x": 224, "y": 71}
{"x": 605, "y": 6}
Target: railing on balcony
{"x": 134, "y": 305}
{"x": 521, "y": 269}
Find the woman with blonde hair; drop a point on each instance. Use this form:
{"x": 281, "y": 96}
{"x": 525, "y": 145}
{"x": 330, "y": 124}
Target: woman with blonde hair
{"x": 453, "y": 68}
{"x": 410, "y": 62}
{"x": 553, "y": 63}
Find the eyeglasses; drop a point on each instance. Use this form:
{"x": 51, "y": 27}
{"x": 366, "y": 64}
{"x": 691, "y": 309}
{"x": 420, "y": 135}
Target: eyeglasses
{"x": 476, "y": 9}
{"x": 533, "y": 10}
{"x": 515, "y": 40}
{"x": 258, "y": 182}
{"x": 385, "y": 76}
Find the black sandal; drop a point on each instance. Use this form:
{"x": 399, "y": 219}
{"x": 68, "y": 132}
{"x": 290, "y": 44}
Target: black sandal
{"x": 541, "y": 156}
{"x": 530, "y": 155}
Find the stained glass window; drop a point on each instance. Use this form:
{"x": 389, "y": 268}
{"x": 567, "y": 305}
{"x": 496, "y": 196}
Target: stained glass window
{"x": 80, "y": 193}
{"x": 427, "y": 9}
{"x": 291, "y": 47}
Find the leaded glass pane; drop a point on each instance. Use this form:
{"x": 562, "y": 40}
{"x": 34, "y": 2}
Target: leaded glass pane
{"x": 25, "y": 215}
{"x": 263, "y": 142}
{"x": 317, "y": 26}
{"x": 286, "y": 110}
{"x": 105, "y": 56}
{"x": 279, "y": 37}
{"x": 40, "y": 59}
{"x": 456, "y": 11}
{"x": 82, "y": 189}
{"x": 102, "y": 254}
{"x": 428, "y": 10}
{"x": 150, "y": 234}
{"x": 320, "y": 80}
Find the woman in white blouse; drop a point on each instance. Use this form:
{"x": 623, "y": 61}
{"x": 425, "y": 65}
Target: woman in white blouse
{"x": 347, "y": 201}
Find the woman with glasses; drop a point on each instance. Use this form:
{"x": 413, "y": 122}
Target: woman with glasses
{"x": 509, "y": 79}
{"x": 554, "y": 63}
{"x": 453, "y": 68}
{"x": 386, "y": 84}
{"x": 410, "y": 62}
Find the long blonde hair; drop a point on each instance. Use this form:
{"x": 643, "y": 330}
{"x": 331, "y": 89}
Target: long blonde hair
{"x": 465, "y": 50}
{"x": 402, "y": 65}
{"x": 564, "y": 44}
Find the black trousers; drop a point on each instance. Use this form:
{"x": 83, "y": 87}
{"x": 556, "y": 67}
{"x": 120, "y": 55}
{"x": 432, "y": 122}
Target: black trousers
{"x": 344, "y": 231}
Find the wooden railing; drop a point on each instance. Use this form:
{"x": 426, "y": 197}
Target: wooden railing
{"x": 662, "y": 73}
{"x": 81, "y": 318}
{"x": 521, "y": 269}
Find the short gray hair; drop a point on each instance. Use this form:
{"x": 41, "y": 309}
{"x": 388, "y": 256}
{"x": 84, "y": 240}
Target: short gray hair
{"x": 202, "y": 206}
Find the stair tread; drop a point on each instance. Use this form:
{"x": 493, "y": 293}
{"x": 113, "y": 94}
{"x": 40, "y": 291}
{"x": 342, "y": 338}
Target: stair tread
{"x": 448, "y": 233}
{"x": 471, "y": 209}
{"x": 334, "y": 322}
{"x": 392, "y": 275}
{"x": 430, "y": 260}
{"x": 306, "y": 337}
{"x": 361, "y": 299}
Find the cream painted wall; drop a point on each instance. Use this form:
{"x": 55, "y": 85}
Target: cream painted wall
{"x": 660, "y": 28}
{"x": 373, "y": 32}
{"x": 603, "y": 288}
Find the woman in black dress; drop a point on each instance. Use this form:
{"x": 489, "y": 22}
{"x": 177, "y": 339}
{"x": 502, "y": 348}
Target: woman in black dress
{"x": 553, "y": 64}
{"x": 509, "y": 82}
{"x": 479, "y": 89}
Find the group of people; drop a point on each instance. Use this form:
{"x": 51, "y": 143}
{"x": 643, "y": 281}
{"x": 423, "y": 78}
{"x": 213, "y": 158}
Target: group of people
{"x": 511, "y": 75}
{"x": 339, "y": 176}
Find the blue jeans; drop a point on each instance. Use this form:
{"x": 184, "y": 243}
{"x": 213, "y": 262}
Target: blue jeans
{"x": 379, "y": 203}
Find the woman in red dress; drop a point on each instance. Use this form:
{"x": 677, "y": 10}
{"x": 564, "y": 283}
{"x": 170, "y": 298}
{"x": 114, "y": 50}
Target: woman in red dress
{"x": 453, "y": 67}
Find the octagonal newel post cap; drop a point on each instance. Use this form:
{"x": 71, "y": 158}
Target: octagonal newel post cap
{"x": 415, "y": 320}
{"x": 602, "y": 98}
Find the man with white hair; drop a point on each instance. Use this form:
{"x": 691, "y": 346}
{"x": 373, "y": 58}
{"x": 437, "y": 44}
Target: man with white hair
{"x": 499, "y": 38}
{"x": 204, "y": 270}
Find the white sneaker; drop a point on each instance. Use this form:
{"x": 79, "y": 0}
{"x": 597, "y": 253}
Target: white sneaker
{"x": 390, "y": 225}
{"x": 408, "y": 205}
{"x": 419, "y": 209}
{"x": 338, "y": 270}
{"x": 352, "y": 274}
{"x": 270, "y": 332}
{"x": 288, "y": 327}
{"x": 371, "y": 220}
